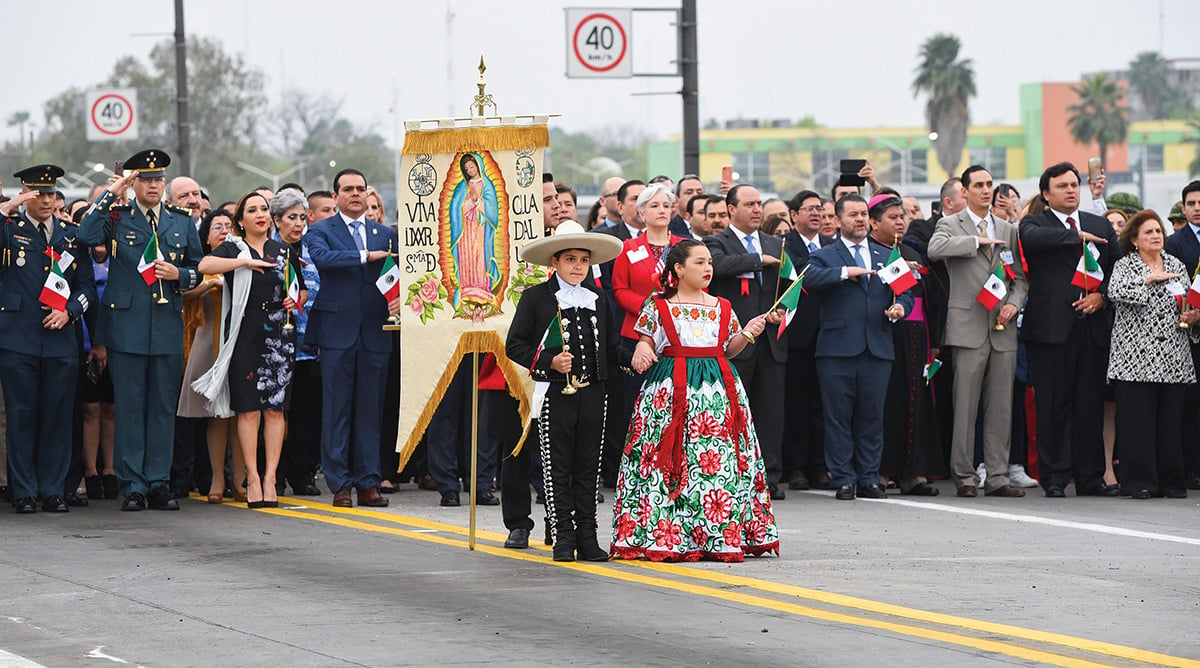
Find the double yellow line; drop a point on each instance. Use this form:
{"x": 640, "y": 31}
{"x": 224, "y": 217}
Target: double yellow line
{"x": 775, "y": 596}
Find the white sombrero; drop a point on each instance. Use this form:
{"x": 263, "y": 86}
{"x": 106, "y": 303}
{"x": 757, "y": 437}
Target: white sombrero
{"x": 567, "y": 235}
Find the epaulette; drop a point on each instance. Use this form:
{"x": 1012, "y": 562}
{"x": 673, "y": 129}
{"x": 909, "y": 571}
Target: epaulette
{"x": 120, "y": 207}
{"x": 179, "y": 210}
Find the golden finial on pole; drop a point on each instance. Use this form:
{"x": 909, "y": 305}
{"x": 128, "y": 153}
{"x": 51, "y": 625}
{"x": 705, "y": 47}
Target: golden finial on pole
{"x": 482, "y": 99}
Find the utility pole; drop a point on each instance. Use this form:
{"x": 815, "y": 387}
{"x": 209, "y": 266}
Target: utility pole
{"x": 181, "y": 94}
{"x": 691, "y": 88}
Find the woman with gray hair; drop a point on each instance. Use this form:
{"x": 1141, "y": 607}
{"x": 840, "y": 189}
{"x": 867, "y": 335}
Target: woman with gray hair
{"x": 637, "y": 269}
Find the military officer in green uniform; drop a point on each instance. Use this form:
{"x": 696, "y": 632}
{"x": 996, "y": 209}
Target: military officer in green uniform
{"x": 46, "y": 284}
{"x": 154, "y": 249}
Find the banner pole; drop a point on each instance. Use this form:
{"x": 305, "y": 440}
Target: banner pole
{"x": 474, "y": 444}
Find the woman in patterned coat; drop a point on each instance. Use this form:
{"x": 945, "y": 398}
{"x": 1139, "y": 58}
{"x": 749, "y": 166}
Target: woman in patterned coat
{"x": 1150, "y": 359}
{"x": 691, "y": 484}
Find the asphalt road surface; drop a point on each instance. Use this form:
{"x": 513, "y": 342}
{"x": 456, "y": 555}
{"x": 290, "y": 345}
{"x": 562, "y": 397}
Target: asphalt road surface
{"x": 901, "y": 582}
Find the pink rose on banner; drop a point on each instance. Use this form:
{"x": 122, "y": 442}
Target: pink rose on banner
{"x": 429, "y": 291}
{"x": 417, "y": 305}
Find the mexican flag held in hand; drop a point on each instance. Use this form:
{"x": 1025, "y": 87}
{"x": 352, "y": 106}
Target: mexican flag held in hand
{"x": 993, "y": 290}
{"x": 56, "y": 290}
{"x": 787, "y": 270}
{"x": 790, "y": 300}
{"x": 389, "y": 279}
{"x": 551, "y": 338}
{"x": 293, "y": 285}
{"x": 897, "y": 274}
{"x": 1088, "y": 274}
{"x": 1193, "y": 295}
{"x": 146, "y": 264}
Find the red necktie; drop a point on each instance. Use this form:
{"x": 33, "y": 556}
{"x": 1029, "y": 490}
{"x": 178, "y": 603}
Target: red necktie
{"x": 1075, "y": 228}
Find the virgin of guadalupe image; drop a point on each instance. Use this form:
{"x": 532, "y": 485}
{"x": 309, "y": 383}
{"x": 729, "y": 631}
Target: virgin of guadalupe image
{"x": 474, "y": 216}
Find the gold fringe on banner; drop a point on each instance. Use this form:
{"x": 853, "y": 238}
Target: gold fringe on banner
{"x": 471, "y": 342}
{"x": 493, "y": 138}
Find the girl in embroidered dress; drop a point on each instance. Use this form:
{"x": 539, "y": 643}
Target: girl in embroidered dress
{"x": 692, "y": 484}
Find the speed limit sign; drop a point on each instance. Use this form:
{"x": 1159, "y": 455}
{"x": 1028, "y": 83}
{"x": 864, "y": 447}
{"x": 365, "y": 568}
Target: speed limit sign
{"x": 598, "y": 42}
{"x": 112, "y": 114}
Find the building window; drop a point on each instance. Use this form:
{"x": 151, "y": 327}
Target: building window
{"x": 754, "y": 169}
{"x": 995, "y": 160}
{"x": 1147, "y": 157}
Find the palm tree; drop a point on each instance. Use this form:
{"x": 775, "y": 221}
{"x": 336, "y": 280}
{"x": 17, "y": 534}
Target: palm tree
{"x": 1100, "y": 116}
{"x": 19, "y": 118}
{"x": 950, "y": 84}
{"x": 1148, "y": 78}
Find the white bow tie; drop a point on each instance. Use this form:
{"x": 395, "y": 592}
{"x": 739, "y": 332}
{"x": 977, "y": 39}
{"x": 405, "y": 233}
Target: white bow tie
{"x": 574, "y": 296}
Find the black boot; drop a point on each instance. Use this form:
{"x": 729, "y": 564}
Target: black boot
{"x": 549, "y": 539}
{"x": 564, "y": 549}
{"x": 95, "y": 489}
{"x": 588, "y": 548}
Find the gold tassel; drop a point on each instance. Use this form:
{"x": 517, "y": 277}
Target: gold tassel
{"x": 454, "y": 140}
{"x": 480, "y": 342}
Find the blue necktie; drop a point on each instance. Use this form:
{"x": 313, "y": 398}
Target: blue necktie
{"x": 753, "y": 250}
{"x": 858, "y": 259}
{"x": 812, "y": 246}
{"x": 358, "y": 242}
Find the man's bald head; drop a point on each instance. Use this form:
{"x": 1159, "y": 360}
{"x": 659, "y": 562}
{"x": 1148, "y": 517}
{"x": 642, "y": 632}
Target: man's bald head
{"x": 608, "y": 195}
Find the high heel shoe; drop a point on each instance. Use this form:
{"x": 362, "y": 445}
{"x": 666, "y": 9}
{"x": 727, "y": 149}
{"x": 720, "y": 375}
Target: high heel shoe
{"x": 109, "y": 484}
{"x": 269, "y": 484}
{"x": 216, "y": 497}
{"x": 250, "y": 490}
{"x": 95, "y": 488}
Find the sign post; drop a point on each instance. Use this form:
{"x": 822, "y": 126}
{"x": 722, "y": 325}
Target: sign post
{"x": 112, "y": 114}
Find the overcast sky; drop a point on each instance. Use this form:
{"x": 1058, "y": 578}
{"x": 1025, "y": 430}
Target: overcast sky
{"x": 847, "y": 63}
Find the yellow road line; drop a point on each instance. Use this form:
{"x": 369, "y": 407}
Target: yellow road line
{"x": 841, "y": 600}
{"x": 711, "y": 592}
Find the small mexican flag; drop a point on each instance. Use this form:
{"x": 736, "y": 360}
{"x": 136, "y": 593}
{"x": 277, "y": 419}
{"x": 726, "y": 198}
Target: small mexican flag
{"x": 146, "y": 264}
{"x": 897, "y": 274}
{"x": 293, "y": 285}
{"x": 551, "y": 338}
{"x": 389, "y": 279}
{"x": 56, "y": 290}
{"x": 931, "y": 368}
{"x": 787, "y": 270}
{"x": 1193, "y": 295}
{"x": 790, "y": 300}
{"x": 993, "y": 290}
{"x": 1088, "y": 274}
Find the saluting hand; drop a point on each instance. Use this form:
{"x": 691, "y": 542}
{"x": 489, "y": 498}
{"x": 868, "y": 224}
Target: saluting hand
{"x": 10, "y": 207}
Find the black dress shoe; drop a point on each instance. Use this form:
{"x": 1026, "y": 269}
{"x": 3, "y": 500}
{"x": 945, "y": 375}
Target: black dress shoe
{"x": 922, "y": 489}
{"x": 845, "y": 493}
{"x": 6, "y": 493}
{"x": 777, "y": 494}
{"x": 518, "y": 539}
{"x": 450, "y": 499}
{"x": 1099, "y": 490}
{"x": 588, "y": 548}
{"x": 161, "y": 499}
{"x": 1176, "y": 493}
{"x": 306, "y": 488}
{"x": 1194, "y": 481}
{"x": 798, "y": 481}
{"x": 1140, "y": 494}
{"x": 1055, "y": 492}
{"x": 95, "y": 490}
{"x": 135, "y": 501}
{"x": 25, "y": 505}
{"x": 111, "y": 488}
{"x": 487, "y": 499}
{"x": 55, "y": 504}
{"x": 872, "y": 491}
{"x": 76, "y": 501}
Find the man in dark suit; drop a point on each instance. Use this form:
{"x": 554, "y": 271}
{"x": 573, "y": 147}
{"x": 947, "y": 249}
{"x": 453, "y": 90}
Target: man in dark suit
{"x": 746, "y": 272}
{"x": 1185, "y": 245}
{"x": 1066, "y": 332}
{"x": 687, "y": 187}
{"x": 854, "y": 349}
{"x": 803, "y": 430}
{"x": 141, "y": 322}
{"x": 346, "y": 324}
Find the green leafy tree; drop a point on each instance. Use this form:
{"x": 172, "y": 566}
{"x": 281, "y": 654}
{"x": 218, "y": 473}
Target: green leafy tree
{"x": 950, "y": 84}
{"x": 1100, "y": 116}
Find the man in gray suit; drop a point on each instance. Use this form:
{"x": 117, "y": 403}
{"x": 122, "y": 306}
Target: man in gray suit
{"x": 974, "y": 244}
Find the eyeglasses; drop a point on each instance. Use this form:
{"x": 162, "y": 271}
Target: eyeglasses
{"x": 220, "y": 227}
{"x": 812, "y": 209}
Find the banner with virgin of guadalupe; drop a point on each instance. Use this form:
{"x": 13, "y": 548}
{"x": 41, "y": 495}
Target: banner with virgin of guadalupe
{"x": 470, "y": 198}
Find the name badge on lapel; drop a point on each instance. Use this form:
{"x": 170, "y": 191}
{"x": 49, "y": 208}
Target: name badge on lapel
{"x": 637, "y": 255}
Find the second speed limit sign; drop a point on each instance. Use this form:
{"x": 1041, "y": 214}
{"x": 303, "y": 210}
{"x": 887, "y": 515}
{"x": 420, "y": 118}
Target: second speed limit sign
{"x": 598, "y": 43}
{"x": 111, "y": 114}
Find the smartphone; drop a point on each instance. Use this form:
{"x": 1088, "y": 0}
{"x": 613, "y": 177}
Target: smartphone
{"x": 119, "y": 168}
{"x": 935, "y": 208}
{"x": 852, "y": 165}
{"x": 1095, "y": 169}
{"x": 1004, "y": 190}
{"x": 727, "y": 174}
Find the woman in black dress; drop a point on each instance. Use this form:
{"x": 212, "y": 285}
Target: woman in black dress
{"x": 260, "y": 369}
